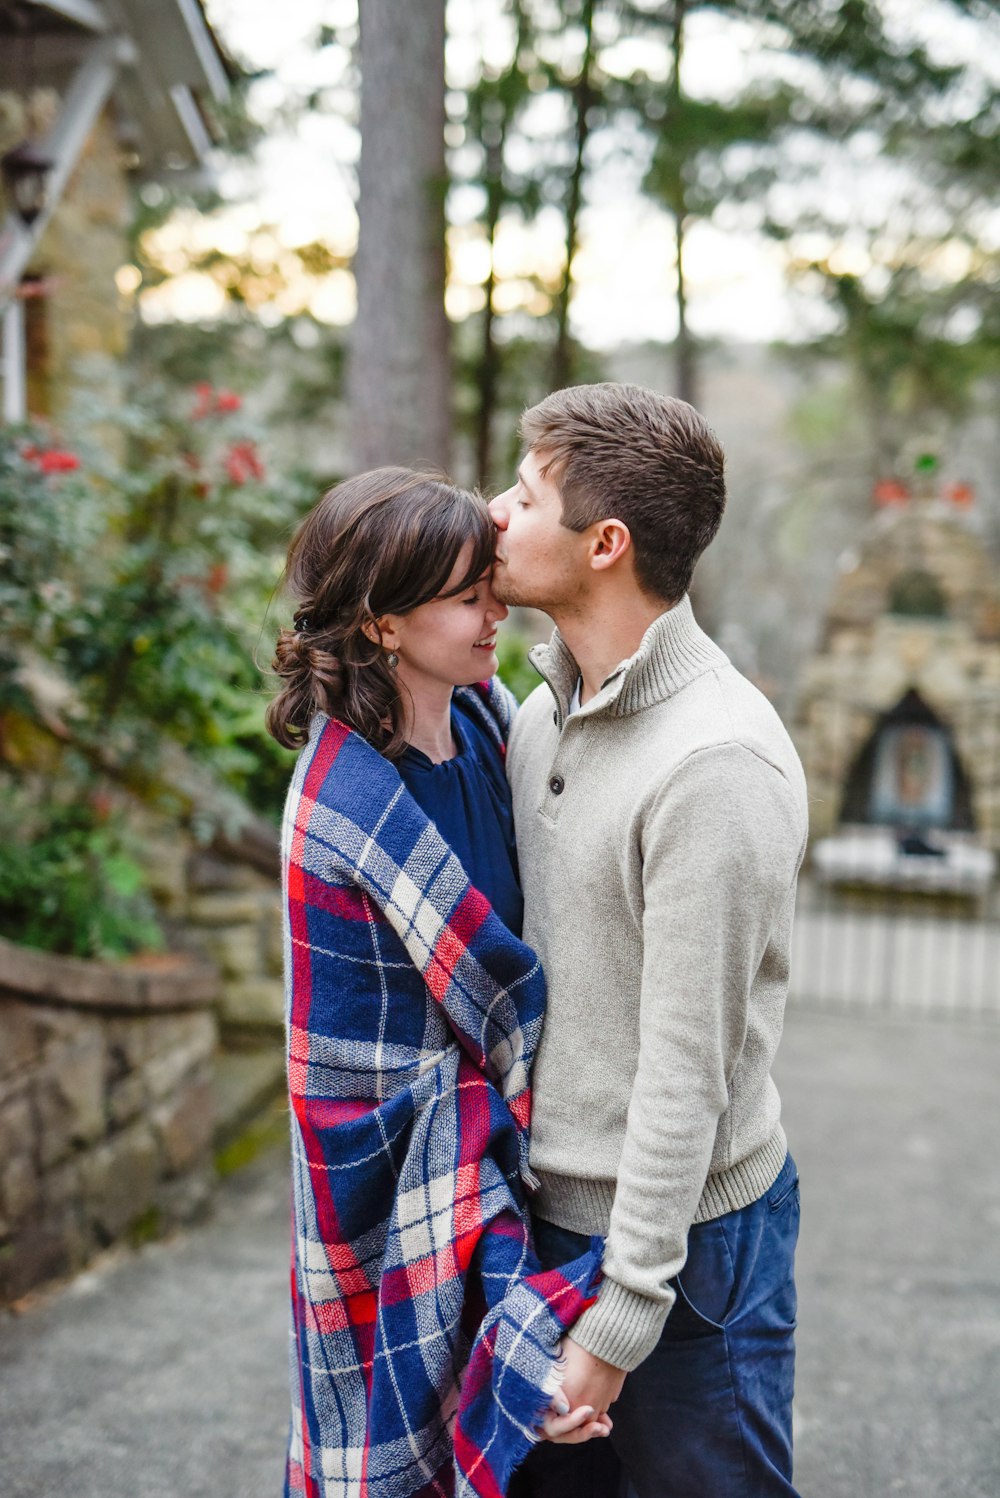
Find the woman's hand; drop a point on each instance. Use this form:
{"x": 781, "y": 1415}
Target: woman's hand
{"x": 575, "y": 1427}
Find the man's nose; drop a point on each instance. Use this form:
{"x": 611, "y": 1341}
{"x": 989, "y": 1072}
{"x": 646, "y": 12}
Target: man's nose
{"x": 499, "y": 509}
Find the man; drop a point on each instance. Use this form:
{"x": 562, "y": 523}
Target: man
{"x": 661, "y": 820}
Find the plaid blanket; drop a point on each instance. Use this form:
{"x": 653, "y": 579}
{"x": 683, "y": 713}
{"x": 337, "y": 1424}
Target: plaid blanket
{"x": 424, "y": 1334}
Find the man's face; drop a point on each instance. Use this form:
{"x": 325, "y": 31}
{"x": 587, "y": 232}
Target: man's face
{"x": 540, "y": 563}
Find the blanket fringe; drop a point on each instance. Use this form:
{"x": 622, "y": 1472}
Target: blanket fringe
{"x": 551, "y": 1387}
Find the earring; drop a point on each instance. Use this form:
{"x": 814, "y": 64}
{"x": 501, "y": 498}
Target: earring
{"x": 392, "y": 660}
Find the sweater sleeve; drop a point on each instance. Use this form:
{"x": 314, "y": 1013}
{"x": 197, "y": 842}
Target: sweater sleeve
{"x": 720, "y": 847}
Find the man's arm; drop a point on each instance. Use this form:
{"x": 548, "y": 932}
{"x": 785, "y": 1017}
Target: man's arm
{"x": 720, "y": 847}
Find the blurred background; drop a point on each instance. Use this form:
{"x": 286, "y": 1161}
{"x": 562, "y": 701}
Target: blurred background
{"x": 248, "y": 249}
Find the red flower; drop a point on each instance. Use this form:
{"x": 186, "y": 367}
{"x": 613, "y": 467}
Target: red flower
{"x": 242, "y": 462}
{"x": 58, "y": 462}
{"x": 217, "y": 578}
{"x": 889, "y": 492}
{"x": 211, "y": 402}
{"x": 51, "y": 460}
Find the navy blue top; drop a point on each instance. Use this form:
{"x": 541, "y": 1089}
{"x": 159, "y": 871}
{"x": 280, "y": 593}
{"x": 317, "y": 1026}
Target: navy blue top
{"x": 468, "y": 800}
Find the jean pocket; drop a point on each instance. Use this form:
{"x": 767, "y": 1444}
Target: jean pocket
{"x": 706, "y": 1286}
{"x": 686, "y": 1323}
{"x": 783, "y": 1188}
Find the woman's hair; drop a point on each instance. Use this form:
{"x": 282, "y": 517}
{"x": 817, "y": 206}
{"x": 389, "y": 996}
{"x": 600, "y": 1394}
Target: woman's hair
{"x": 381, "y": 543}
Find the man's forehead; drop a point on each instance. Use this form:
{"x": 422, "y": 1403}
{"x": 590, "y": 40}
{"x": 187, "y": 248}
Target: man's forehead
{"x": 539, "y": 464}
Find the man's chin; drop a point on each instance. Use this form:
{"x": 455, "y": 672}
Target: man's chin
{"x": 506, "y": 590}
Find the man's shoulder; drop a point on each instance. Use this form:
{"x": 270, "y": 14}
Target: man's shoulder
{"x": 730, "y": 775}
{"x": 723, "y": 716}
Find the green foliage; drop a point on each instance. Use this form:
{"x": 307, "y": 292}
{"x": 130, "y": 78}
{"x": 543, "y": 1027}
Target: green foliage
{"x": 516, "y": 671}
{"x": 149, "y": 598}
{"x": 131, "y": 596}
{"x": 70, "y": 879}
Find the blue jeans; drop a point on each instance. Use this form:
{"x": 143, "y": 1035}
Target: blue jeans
{"x": 709, "y": 1412}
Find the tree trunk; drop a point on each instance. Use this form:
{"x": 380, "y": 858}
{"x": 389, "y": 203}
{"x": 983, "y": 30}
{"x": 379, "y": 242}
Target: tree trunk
{"x": 685, "y": 364}
{"x": 489, "y": 360}
{"x": 399, "y": 379}
{"x": 583, "y": 98}
{"x": 685, "y": 375}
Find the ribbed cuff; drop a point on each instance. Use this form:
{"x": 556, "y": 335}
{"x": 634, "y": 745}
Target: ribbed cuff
{"x": 622, "y": 1327}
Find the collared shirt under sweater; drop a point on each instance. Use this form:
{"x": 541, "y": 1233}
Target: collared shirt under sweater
{"x": 660, "y": 832}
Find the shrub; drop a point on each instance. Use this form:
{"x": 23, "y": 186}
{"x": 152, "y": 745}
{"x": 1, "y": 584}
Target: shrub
{"x": 133, "y": 579}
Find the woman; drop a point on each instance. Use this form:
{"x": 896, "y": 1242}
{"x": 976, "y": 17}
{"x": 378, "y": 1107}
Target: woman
{"x": 424, "y": 1335}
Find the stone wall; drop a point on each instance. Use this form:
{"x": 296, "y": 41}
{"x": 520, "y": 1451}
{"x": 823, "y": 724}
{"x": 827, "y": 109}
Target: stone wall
{"x": 106, "y": 1106}
{"x": 227, "y": 912}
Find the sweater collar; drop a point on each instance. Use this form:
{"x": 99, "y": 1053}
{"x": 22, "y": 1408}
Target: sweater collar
{"x": 673, "y": 652}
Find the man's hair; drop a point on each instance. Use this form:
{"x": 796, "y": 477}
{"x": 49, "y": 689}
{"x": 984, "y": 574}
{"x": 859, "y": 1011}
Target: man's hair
{"x": 627, "y": 453}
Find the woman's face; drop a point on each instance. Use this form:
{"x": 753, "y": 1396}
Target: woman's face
{"x": 448, "y": 641}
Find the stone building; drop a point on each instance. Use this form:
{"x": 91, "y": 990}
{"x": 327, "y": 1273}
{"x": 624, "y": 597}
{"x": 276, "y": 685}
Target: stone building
{"x": 94, "y": 95}
{"x": 899, "y": 712}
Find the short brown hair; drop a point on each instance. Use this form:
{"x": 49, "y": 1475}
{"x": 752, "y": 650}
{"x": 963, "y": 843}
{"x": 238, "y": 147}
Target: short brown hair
{"x": 652, "y": 461}
{"x": 384, "y": 542}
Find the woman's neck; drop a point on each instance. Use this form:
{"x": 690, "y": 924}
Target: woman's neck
{"x": 427, "y": 715}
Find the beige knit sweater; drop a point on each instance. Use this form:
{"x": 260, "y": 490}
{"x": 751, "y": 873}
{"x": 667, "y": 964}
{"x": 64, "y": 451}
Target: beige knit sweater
{"x": 660, "y": 830}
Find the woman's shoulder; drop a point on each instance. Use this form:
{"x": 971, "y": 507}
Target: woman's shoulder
{"x": 340, "y": 770}
{"x": 492, "y": 705}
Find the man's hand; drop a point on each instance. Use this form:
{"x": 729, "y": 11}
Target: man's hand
{"x": 588, "y": 1380}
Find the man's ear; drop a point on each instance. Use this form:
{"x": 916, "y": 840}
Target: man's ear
{"x": 610, "y": 541}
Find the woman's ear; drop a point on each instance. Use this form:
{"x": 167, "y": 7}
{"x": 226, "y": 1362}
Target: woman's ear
{"x": 383, "y": 631}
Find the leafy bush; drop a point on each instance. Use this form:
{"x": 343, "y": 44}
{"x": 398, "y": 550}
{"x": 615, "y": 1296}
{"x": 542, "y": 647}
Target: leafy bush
{"x": 70, "y": 878}
{"x": 132, "y": 583}
{"x": 516, "y": 671}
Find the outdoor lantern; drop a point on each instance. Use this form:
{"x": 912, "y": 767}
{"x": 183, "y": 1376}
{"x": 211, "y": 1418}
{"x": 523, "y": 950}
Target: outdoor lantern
{"x": 25, "y": 178}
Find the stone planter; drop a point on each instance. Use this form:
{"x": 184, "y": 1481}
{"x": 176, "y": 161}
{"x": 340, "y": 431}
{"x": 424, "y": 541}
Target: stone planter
{"x": 106, "y": 1106}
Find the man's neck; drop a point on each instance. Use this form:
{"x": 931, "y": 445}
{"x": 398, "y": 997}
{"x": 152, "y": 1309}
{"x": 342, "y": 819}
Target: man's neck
{"x": 604, "y": 633}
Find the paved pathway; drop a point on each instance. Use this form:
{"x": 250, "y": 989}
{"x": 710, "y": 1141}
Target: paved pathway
{"x": 161, "y": 1375}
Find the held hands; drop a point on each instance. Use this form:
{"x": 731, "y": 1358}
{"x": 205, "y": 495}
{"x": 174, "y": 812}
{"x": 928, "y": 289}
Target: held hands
{"x": 580, "y": 1409}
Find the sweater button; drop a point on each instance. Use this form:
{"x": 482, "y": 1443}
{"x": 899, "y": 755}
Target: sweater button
{"x": 557, "y": 785}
